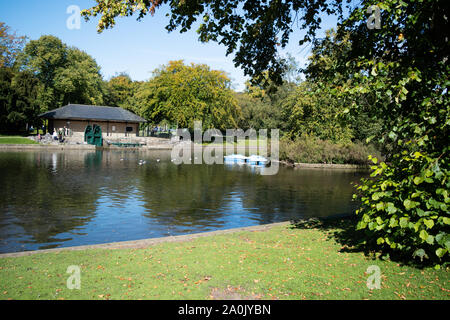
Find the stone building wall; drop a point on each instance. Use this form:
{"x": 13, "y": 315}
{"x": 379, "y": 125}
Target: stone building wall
{"x": 110, "y": 130}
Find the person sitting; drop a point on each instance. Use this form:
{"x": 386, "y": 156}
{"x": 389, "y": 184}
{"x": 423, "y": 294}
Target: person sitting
{"x": 61, "y": 135}
{"x": 55, "y": 134}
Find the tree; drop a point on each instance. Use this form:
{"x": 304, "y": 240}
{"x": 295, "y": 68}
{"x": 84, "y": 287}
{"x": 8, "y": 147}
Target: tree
{"x": 182, "y": 94}
{"x": 252, "y": 29}
{"x": 6, "y": 96}
{"x": 18, "y": 106}
{"x": 120, "y": 91}
{"x": 326, "y": 72}
{"x": 312, "y": 110}
{"x": 10, "y": 46}
{"x": 399, "y": 74}
{"x": 262, "y": 105}
{"x": 79, "y": 81}
{"x": 67, "y": 74}
{"x": 26, "y": 108}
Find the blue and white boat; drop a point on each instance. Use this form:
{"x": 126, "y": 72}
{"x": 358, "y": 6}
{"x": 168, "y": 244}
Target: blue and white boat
{"x": 235, "y": 158}
{"x": 256, "y": 160}
{"x": 253, "y": 160}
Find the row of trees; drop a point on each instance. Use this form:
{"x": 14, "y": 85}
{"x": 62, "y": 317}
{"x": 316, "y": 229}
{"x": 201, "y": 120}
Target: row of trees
{"x": 45, "y": 74}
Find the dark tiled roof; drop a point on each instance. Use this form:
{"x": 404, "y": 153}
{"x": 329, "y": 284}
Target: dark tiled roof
{"x": 84, "y": 112}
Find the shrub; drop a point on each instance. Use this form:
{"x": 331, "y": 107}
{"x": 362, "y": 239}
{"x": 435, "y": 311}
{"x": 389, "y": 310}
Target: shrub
{"x": 404, "y": 208}
{"x": 310, "y": 149}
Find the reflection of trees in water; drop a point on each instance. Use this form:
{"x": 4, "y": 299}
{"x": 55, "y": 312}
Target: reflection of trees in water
{"x": 189, "y": 194}
{"x": 302, "y": 193}
{"x": 185, "y": 194}
{"x": 38, "y": 196}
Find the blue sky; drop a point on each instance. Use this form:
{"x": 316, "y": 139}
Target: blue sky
{"x": 136, "y": 48}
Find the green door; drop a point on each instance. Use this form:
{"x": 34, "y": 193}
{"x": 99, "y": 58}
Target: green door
{"x": 89, "y": 135}
{"x": 98, "y": 139}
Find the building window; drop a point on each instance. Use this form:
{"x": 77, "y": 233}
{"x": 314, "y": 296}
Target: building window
{"x": 129, "y": 129}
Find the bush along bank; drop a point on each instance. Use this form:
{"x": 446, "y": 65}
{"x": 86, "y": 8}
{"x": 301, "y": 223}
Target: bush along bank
{"x": 310, "y": 149}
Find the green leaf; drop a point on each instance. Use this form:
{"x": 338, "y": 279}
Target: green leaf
{"x": 409, "y": 204}
{"x": 380, "y": 206}
{"x": 404, "y": 222}
{"x": 420, "y": 212}
{"x": 423, "y": 235}
{"x": 429, "y": 223}
{"x": 377, "y": 195}
{"x": 440, "y": 237}
{"x": 379, "y": 220}
{"x": 420, "y": 253}
{"x": 393, "y": 222}
{"x": 440, "y": 252}
{"x": 418, "y": 180}
{"x": 361, "y": 225}
{"x": 390, "y": 208}
{"x": 392, "y": 135}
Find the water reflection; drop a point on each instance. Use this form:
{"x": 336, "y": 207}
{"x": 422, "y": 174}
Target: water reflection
{"x": 84, "y": 197}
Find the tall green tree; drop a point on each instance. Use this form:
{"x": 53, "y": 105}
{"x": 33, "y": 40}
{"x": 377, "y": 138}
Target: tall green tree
{"x": 18, "y": 100}
{"x": 262, "y": 105}
{"x": 25, "y": 105}
{"x": 183, "y": 94}
{"x": 399, "y": 74}
{"x": 67, "y": 74}
{"x": 120, "y": 91}
{"x": 6, "y": 97}
{"x": 79, "y": 81}
{"x": 320, "y": 97}
{"x": 313, "y": 110}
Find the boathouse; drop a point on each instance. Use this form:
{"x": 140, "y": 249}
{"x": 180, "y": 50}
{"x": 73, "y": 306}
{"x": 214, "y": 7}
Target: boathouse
{"x": 75, "y": 118}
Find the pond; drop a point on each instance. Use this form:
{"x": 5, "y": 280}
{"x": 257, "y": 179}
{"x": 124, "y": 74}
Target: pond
{"x": 68, "y": 198}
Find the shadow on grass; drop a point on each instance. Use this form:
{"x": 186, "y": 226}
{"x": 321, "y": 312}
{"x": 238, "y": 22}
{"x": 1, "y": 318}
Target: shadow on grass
{"x": 343, "y": 230}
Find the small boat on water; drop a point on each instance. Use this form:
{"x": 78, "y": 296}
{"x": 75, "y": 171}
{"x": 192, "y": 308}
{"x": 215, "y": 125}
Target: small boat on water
{"x": 235, "y": 158}
{"x": 256, "y": 160}
{"x": 253, "y": 160}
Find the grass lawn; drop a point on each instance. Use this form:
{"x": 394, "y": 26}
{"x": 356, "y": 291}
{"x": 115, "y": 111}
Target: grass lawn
{"x": 15, "y": 140}
{"x": 285, "y": 262}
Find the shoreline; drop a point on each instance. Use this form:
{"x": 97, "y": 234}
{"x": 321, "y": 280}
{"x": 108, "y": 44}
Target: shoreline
{"x": 143, "y": 243}
{"x": 32, "y": 147}
{"x": 28, "y": 147}
{"x": 300, "y": 165}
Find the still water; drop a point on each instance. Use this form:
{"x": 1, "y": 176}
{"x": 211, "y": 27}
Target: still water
{"x": 60, "y": 199}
